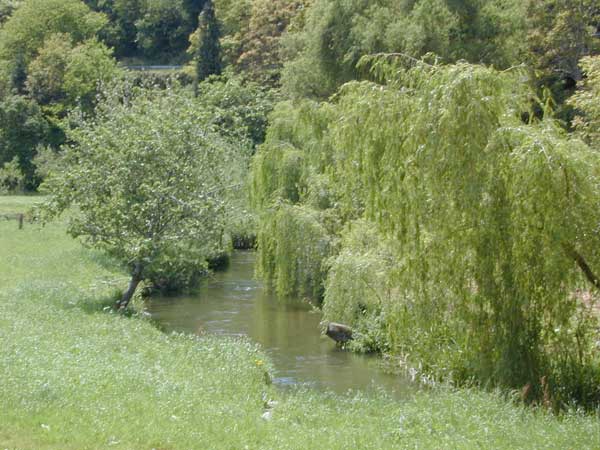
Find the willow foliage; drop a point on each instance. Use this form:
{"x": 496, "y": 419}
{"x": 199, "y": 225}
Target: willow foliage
{"x": 294, "y": 149}
{"x": 294, "y": 243}
{"x": 489, "y": 214}
{"x": 289, "y": 169}
{"x": 359, "y": 286}
{"x": 585, "y": 101}
{"x": 492, "y": 223}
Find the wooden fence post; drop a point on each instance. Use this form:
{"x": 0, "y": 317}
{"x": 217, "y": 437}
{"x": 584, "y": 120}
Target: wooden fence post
{"x": 20, "y": 221}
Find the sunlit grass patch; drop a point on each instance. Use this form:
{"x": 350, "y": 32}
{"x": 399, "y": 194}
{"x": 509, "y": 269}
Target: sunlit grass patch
{"x": 438, "y": 419}
{"x": 13, "y": 204}
{"x": 74, "y": 379}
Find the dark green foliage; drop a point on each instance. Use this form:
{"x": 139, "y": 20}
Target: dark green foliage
{"x": 155, "y": 30}
{"x": 122, "y": 33}
{"x": 208, "y": 54}
{"x": 238, "y": 108}
{"x": 22, "y": 129}
{"x": 193, "y": 8}
{"x": 7, "y": 7}
{"x": 559, "y": 34}
{"x": 324, "y": 53}
{"x": 162, "y": 29}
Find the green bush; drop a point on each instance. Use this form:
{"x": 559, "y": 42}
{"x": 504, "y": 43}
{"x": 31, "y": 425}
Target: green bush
{"x": 12, "y": 179}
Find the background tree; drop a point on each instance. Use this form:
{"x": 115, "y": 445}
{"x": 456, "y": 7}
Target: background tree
{"x": 63, "y": 75}
{"x": 208, "y": 55}
{"x": 148, "y": 180}
{"x": 89, "y": 66}
{"x": 586, "y": 102}
{"x": 193, "y": 8}
{"x": 162, "y": 29}
{"x": 45, "y": 74}
{"x": 560, "y": 33}
{"x": 233, "y": 16}
{"x": 123, "y": 33}
{"x": 22, "y": 128}
{"x": 238, "y": 108}
{"x": 155, "y": 30}
{"x": 25, "y": 33}
{"x": 260, "y": 56}
{"x": 12, "y": 180}
{"x": 323, "y": 54}
{"x": 7, "y": 7}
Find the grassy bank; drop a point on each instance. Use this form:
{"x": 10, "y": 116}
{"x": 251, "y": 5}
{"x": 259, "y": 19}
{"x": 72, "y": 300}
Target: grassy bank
{"x": 73, "y": 376}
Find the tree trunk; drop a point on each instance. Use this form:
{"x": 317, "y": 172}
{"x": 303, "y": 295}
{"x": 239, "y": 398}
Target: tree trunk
{"x": 583, "y": 265}
{"x": 136, "y": 277}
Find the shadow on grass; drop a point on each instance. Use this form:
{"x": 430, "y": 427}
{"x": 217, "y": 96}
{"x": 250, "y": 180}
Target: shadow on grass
{"x": 96, "y": 304}
{"x": 105, "y": 304}
{"x": 103, "y": 260}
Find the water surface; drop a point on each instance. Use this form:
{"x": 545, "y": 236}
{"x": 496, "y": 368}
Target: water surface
{"x": 234, "y": 303}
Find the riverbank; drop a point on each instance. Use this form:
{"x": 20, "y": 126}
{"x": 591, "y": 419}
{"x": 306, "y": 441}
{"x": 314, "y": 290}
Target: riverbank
{"x": 74, "y": 376}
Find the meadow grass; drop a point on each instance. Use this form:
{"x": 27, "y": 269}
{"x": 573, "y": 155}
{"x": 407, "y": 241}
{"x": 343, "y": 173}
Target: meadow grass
{"x": 75, "y": 376}
{"x": 18, "y": 204}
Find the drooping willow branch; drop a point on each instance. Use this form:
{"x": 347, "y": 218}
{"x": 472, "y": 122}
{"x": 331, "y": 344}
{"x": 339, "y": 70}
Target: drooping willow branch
{"x": 399, "y": 55}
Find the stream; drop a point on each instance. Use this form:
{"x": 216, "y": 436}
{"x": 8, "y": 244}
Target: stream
{"x": 234, "y": 303}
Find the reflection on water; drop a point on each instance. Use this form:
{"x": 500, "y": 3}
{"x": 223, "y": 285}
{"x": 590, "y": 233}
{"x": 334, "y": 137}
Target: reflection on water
{"x": 234, "y": 303}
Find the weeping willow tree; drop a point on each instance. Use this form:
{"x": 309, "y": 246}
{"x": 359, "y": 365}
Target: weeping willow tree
{"x": 294, "y": 243}
{"x": 493, "y": 224}
{"x": 496, "y": 221}
{"x": 292, "y": 194}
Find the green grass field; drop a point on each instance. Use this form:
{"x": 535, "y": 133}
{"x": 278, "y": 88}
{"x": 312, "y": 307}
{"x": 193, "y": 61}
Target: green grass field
{"x": 75, "y": 376}
{"x": 18, "y": 204}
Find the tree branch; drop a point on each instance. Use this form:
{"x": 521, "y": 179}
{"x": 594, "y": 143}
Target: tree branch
{"x": 583, "y": 265}
{"x": 400, "y": 55}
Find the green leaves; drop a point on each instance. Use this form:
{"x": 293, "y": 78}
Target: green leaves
{"x": 148, "y": 179}
{"x": 27, "y": 29}
{"x": 585, "y": 101}
{"x": 67, "y": 76}
{"x": 490, "y": 221}
{"x": 208, "y": 53}
{"x": 22, "y": 129}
